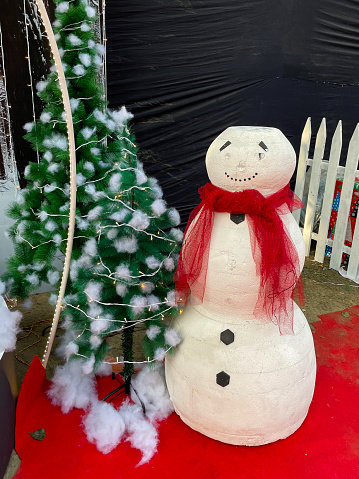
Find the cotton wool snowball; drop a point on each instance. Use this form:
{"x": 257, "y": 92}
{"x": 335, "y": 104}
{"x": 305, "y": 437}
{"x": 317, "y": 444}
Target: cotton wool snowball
{"x": 139, "y": 220}
{"x": 62, "y": 7}
{"x": 85, "y": 59}
{"x": 33, "y": 279}
{"x": 115, "y": 182}
{"x": 71, "y": 388}
{"x": 41, "y": 85}
{"x": 70, "y": 349}
{"x": 100, "y": 49}
{"x": 2, "y": 287}
{"x": 9, "y": 326}
{"x": 153, "y": 331}
{"x": 138, "y": 304}
{"x": 88, "y": 132}
{"x": 140, "y": 177}
{"x": 45, "y": 117}
{"x": 147, "y": 287}
{"x": 150, "y": 386}
{"x": 50, "y": 226}
{"x": 95, "y": 341}
{"x": 28, "y": 126}
{"x": 171, "y": 298}
{"x": 57, "y": 239}
{"x": 174, "y": 216}
{"x": 153, "y": 302}
{"x": 93, "y": 290}
{"x": 90, "y": 11}
{"x": 120, "y": 215}
{"x": 123, "y": 271}
{"x": 90, "y": 247}
{"x": 74, "y": 40}
{"x": 80, "y": 179}
{"x": 141, "y": 433}
{"x": 85, "y": 27}
{"x": 53, "y": 277}
{"x": 158, "y": 207}
{"x": 53, "y": 168}
{"x": 152, "y": 262}
{"x": 112, "y": 233}
{"x": 172, "y": 338}
{"x": 121, "y": 289}
{"x": 160, "y": 354}
{"x": 169, "y": 264}
{"x": 89, "y": 166}
{"x": 48, "y": 156}
{"x": 94, "y": 213}
{"x": 177, "y": 234}
{"x": 74, "y": 103}
{"x": 88, "y": 365}
{"x": 99, "y": 326}
{"x": 79, "y": 70}
{"x": 121, "y": 116}
{"x": 104, "y": 426}
{"x": 126, "y": 245}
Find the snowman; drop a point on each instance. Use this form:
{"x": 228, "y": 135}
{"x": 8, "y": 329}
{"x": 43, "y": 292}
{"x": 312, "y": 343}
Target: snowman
{"x": 245, "y": 371}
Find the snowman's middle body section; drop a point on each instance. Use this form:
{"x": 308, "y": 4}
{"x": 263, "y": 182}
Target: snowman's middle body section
{"x": 234, "y": 377}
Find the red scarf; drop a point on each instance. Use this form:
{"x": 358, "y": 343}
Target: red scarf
{"x": 273, "y": 251}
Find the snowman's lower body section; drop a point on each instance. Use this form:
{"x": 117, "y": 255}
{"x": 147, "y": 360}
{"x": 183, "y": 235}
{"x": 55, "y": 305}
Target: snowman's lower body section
{"x": 238, "y": 380}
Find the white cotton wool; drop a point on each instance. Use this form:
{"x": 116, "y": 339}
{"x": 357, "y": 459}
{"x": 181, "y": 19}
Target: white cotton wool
{"x": 95, "y": 151}
{"x": 171, "y": 298}
{"x": 94, "y": 213}
{"x": 90, "y": 189}
{"x": 104, "y": 426}
{"x": 88, "y": 132}
{"x": 111, "y": 125}
{"x": 74, "y": 40}
{"x": 172, "y": 338}
{"x": 156, "y": 189}
{"x": 57, "y": 239}
{"x": 70, "y": 349}
{"x": 138, "y": 304}
{"x": 20, "y": 199}
{"x": 85, "y": 59}
{"x": 119, "y": 215}
{"x": 95, "y": 341}
{"x": 147, "y": 287}
{"x": 100, "y": 49}
{"x": 61, "y": 52}
{"x": 174, "y": 216}
{"x": 97, "y": 60}
{"x": 169, "y": 264}
{"x": 95, "y": 310}
{"x": 57, "y": 36}
{"x": 3, "y": 286}
{"x": 158, "y": 207}
{"x": 48, "y": 156}
{"x": 62, "y": 7}
{"x": 39, "y": 265}
{"x": 80, "y": 179}
{"x": 27, "y": 304}
{"x": 82, "y": 224}
{"x": 50, "y": 225}
{"x": 84, "y": 260}
{"x": 33, "y": 279}
{"x": 56, "y": 140}
{"x": 99, "y": 115}
{"x": 89, "y": 166}
{"x": 160, "y": 354}
{"x": 85, "y": 27}
{"x": 104, "y": 369}
{"x": 115, "y": 182}
{"x": 88, "y": 365}
{"x": 41, "y": 85}
{"x": 123, "y": 271}
{"x": 45, "y": 117}
{"x": 79, "y": 70}
{"x": 53, "y": 299}
{"x": 90, "y": 11}
{"x": 53, "y": 168}
{"x": 177, "y": 234}
{"x": 153, "y": 302}
{"x": 93, "y": 290}
{"x": 53, "y": 276}
{"x": 71, "y": 388}
{"x": 90, "y": 247}
{"x": 9, "y": 327}
{"x": 153, "y": 331}
{"x": 139, "y": 220}
{"x": 150, "y": 386}
{"x": 141, "y": 433}
{"x": 111, "y": 233}
{"x": 152, "y": 262}
{"x": 121, "y": 116}
{"x": 68, "y": 337}
{"x": 74, "y": 103}
{"x": 121, "y": 289}
{"x": 99, "y": 326}
{"x": 140, "y": 177}
{"x": 29, "y": 126}
{"x": 126, "y": 245}
{"x": 21, "y": 227}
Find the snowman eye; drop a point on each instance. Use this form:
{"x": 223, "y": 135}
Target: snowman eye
{"x": 263, "y": 145}
{"x": 261, "y": 155}
{"x": 227, "y": 143}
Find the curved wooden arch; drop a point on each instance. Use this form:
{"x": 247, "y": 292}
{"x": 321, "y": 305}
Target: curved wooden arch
{"x": 71, "y": 138}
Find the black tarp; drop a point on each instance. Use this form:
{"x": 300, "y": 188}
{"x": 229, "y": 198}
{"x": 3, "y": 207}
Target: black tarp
{"x": 188, "y": 69}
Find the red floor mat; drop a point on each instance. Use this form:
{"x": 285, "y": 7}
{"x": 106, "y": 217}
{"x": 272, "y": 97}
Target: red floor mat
{"x": 325, "y": 447}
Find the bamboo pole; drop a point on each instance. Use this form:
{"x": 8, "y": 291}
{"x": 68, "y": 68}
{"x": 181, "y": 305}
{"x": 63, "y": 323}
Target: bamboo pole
{"x": 71, "y": 138}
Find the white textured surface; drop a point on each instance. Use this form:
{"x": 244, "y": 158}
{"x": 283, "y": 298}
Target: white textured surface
{"x": 272, "y": 377}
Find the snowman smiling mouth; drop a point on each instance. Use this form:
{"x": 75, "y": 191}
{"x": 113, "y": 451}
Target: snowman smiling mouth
{"x": 240, "y": 179}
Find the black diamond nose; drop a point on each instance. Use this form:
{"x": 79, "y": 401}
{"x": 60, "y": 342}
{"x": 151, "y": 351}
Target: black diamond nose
{"x": 222, "y": 379}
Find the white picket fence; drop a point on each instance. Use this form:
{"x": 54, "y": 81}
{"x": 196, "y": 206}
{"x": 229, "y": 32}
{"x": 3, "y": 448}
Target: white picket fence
{"x": 349, "y": 172}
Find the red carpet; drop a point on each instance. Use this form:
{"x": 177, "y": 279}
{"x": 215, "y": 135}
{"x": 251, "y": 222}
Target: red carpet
{"x": 325, "y": 447}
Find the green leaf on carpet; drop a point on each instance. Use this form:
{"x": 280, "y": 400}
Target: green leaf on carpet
{"x": 345, "y": 314}
{"x": 39, "y": 435}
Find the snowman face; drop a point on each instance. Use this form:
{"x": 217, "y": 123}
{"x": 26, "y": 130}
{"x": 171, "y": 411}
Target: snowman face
{"x": 248, "y": 157}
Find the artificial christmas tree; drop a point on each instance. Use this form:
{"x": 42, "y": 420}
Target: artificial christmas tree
{"x": 125, "y": 243}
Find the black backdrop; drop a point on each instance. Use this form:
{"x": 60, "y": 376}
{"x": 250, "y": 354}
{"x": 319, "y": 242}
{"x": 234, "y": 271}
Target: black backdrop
{"x": 188, "y": 69}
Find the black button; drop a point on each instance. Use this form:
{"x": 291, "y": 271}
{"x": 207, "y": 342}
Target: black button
{"x": 222, "y": 379}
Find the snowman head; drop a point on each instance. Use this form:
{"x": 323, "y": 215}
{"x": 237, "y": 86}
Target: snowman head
{"x": 251, "y": 157}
